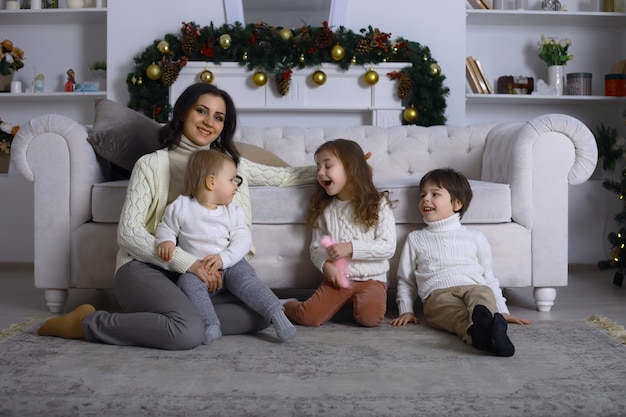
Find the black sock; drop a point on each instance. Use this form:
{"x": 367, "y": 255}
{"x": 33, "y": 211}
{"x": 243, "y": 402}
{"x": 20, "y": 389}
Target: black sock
{"x": 502, "y": 345}
{"x": 481, "y": 328}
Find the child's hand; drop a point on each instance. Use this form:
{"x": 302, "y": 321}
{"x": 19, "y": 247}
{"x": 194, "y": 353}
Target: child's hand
{"x": 333, "y": 274}
{"x": 515, "y": 320}
{"x": 213, "y": 263}
{"x": 166, "y": 249}
{"x": 404, "y": 319}
{"x": 339, "y": 250}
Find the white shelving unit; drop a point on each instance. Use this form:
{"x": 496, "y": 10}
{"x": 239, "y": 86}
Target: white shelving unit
{"x": 505, "y": 42}
{"x": 53, "y": 41}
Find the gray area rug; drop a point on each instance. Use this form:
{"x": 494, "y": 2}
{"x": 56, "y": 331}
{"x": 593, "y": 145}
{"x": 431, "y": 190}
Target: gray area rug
{"x": 559, "y": 369}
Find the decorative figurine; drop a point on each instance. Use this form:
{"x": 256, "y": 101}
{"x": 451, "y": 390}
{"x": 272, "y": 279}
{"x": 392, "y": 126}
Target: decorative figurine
{"x": 69, "y": 84}
{"x": 38, "y": 83}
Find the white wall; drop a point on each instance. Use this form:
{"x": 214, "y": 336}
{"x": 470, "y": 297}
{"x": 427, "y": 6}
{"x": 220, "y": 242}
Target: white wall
{"x": 134, "y": 25}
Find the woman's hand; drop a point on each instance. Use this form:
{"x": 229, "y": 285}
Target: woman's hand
{"x": 515, "y": 320}
{"x": 404, "y": 319}
{"x": 212, "y": 279}
{"x": 213, "y": 263}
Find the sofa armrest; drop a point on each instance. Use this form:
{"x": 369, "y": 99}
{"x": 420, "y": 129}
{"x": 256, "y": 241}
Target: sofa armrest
{"x": 540, "y": 159}
{"x": 514, "y": 152}
{"x": 52, "y": 151}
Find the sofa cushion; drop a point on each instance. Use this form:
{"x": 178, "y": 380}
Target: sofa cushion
{"x": 122, "y": 135}
{"x": 279, "y": 205}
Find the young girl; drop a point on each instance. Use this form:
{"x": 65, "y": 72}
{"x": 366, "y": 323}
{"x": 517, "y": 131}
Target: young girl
{"x": 205, "y": 224}
{"x": 348, "y": 208}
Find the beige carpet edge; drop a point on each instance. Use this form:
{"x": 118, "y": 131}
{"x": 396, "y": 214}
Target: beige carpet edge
{"x": 20, "y": 327}
{"x": 613, "y": 329}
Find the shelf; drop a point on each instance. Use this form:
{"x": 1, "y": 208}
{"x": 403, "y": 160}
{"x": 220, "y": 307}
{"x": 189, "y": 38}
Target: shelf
{"x": 61, "y": 96}
{"x": 53, "y": 16}
{"x": 538, "y": 99}
{"x": 543, "y": 18}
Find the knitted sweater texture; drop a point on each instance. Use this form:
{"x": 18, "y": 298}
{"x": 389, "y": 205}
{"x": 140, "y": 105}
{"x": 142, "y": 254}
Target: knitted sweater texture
{"x": 442, "y": 255}
{"x": 371, "y": 248}
{"x": 147, "y": 197}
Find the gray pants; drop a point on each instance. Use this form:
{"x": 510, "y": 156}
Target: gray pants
{"x": 241, "y": 281}
{"x": 157, "y": 314}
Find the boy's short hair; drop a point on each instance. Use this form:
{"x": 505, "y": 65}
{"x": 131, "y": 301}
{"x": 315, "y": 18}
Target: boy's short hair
{"x": 454, "y": 182}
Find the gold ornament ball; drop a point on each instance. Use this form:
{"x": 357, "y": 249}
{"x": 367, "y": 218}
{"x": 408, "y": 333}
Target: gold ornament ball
{"x": 285, "y": 34}
{"x": 301, "y": 58}
{"x": 337, "y": 53}
{"x": 153, "y": 71}
{"x": 319, "y": 77}
{"x": 371, "y": 77}
{"x": 225, "y": 41}
{"x": 259, "y": 78}
{"x": 435, "y": 69}
{"x": 163, "y": 47}
{"x": 410, "y": 114}
{"x": 206, "y": 76}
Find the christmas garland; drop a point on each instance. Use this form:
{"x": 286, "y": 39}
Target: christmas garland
{"x": 266, "y": 49}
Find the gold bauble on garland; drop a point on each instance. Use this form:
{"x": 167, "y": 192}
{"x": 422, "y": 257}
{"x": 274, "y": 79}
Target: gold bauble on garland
{"x": 206, "y": 76}
{"x": 285, "y": 34}
{"x": 225, "y": 41}
{"x": 259, "y": 78}
{"x": 410, "y": 114}
{"x": 435, "y": 69}
{"x": 337, "y": 53}
{"x": 163, "y": 47}
{"x": 153, "y": 71}
{"x": 319, "y": 77}
{"x": 370, "y": 77}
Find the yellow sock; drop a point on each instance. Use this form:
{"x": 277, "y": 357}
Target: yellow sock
{"x": 67, "y": 326}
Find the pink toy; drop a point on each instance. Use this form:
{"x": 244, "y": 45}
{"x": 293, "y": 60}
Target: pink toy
{"x": 344, "y": 282}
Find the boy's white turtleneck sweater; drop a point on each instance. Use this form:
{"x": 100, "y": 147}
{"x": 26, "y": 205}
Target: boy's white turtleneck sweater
{"x": 442, "y": 255}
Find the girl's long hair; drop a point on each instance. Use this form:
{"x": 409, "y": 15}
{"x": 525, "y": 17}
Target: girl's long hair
{"x": 364, "y": 196}
{"x": 170, "y": 134}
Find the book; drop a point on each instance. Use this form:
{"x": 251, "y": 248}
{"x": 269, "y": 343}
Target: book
{"x": 486, "y": 4}
{"x": 476, "y": 4}
{"x": 481, "y": 73}
{"x": 472, "y": 80}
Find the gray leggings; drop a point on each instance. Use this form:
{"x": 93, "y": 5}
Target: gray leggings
{"x": 241, "y": 281}
{"x": 157, "y": 314}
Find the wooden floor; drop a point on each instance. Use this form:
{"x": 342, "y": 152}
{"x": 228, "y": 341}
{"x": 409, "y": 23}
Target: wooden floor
{"x": 589, "y": 292}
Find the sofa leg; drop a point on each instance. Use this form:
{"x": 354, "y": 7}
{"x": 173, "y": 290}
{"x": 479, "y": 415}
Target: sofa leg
{"x": 55, "y": 299}
{"x": 544, "y": 298}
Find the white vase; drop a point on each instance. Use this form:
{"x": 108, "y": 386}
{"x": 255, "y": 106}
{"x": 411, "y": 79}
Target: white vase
{"x": 35, "y": 4}
{"x": 555, "y": 78}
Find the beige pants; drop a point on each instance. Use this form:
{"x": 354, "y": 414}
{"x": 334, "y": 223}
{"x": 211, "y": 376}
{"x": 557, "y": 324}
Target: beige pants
{"x": 451, "y": 308}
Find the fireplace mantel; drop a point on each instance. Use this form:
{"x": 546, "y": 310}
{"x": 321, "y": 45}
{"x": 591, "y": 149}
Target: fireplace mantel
{"x": 344, "y": 100}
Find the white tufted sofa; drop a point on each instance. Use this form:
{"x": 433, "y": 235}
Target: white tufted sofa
{"x": 520, "y": 174}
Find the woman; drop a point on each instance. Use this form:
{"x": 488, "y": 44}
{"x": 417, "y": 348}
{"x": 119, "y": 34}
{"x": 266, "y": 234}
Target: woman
{"x": 156, "y": 312}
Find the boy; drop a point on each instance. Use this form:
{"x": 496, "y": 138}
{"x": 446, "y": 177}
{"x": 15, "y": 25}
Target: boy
{"x": 449, "y": 266}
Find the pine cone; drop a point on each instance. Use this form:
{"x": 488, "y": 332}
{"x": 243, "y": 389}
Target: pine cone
{"x": 324, "y": 38}
{"x": 169, "y": 75}
{"x": 405, "y": 85}
{"x": 364, "y": 46}
{"x": 188, "y": 43}
{"x": 283, "y": 84}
